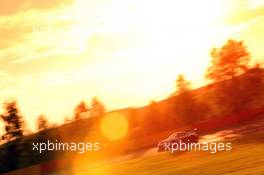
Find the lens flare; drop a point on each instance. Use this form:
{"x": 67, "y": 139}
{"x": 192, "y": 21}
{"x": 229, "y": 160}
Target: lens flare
{"x": 114, "y": 126}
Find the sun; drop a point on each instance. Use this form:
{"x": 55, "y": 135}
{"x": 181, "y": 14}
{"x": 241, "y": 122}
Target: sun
{"x": 114, "y": 126}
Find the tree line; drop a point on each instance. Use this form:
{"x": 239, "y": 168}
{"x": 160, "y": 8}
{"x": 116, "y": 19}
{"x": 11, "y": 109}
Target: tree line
{"x": 15, "y": 125}
{"x": 235, "y": 85}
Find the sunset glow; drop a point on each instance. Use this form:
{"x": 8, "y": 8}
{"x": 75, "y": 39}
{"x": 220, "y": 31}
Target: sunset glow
{"x": 126, "y": 53}
{"x": 114, "y": 126}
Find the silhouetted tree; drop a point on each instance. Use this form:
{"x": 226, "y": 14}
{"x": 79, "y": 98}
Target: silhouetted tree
{"x": 42, "y": 122}
{"x": 152, "y": 122}
{"x": 228, "y": 61}
{"x": 13, "y": 121}
{"x": 80, "y": 108}
{"x": 251, "y": 88}
{"x": 182, "y": 85}
{"x": 97, "y": 108}
{"x": 230, "y": 70}
{"x": 186, "y": 105}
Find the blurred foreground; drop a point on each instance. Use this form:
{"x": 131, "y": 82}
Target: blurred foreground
{"x": 246, "y": 157}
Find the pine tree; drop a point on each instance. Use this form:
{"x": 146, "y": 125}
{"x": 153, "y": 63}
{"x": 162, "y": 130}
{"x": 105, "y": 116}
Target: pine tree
{"x": 97, "y": 108}
{"x": 13, "y": 121}
{"x": 42, "y": 123}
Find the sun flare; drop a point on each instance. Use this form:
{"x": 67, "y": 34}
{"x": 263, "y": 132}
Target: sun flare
{"x": 121, "y": 51}
{"x": 114, "y": 126}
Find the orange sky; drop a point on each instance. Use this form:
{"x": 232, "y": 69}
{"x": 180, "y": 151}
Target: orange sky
{"x": 127, "y": 52}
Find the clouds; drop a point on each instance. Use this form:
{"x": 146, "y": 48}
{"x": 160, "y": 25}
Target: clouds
{"x": 38, "y": 34}
{"x": 51, "y": 50}
{"x": 11, "y": 7}
{"x": 255, "y": 4}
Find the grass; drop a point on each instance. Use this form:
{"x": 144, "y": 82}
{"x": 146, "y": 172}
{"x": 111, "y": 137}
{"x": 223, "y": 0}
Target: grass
{"x": 244, "y": 158}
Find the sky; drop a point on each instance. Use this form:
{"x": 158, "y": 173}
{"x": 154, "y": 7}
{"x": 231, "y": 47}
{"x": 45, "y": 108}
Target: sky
{"x": 53, "y": 54}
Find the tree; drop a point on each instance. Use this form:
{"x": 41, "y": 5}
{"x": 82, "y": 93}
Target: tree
{"x": 80, "y": 109}
{"x": 97, "y": 108}
{"x": 185, "y": 103}
{"x": 228, "y": 61}
{"x": 13, "y": 121}
{"x": 182, "y": 85}
{"x": 250, "y": 90}
{"x": 42, "y": 122}
{"x": 234, "y": 78}
{"x": 151, "y": 121}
